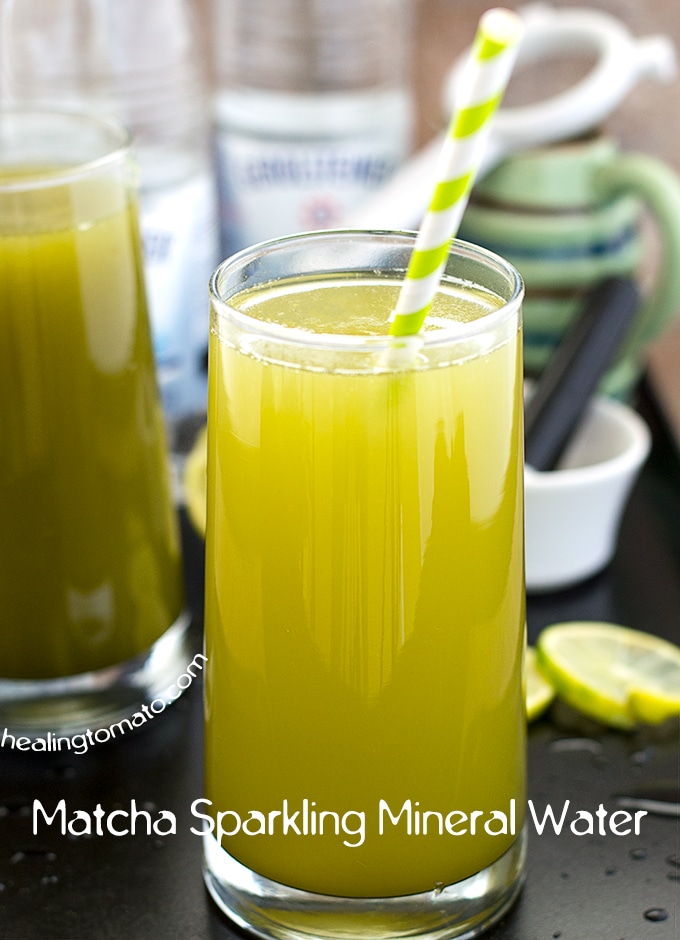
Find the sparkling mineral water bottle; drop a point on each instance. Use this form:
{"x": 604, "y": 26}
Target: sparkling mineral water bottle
{"x": 140, "y": 62}
{"x": 313, "y": 110}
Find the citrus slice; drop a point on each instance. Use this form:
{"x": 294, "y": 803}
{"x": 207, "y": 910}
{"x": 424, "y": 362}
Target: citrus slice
{"x": 618, "y": 676}
{"x": 539, "y": 693}
{"x": 194, "y": 481}
{"x": 655, "y": 706}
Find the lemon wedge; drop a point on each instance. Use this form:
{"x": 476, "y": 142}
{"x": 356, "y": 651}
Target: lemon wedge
{"x": 539, "y": 693}
{"x": 194, "y": 481}
{"x": 616, "y": 675}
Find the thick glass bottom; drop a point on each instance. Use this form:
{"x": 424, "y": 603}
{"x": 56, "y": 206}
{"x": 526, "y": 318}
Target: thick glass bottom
{"x": 94, "y": 700}
{"x": 273, "y": 910}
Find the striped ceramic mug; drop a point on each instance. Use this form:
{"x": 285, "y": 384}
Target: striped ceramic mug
{"x": 570, "y": 215}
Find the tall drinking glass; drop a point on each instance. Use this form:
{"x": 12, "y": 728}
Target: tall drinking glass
{"x": 93, "y": 618}
{"x": 365, "y": 726}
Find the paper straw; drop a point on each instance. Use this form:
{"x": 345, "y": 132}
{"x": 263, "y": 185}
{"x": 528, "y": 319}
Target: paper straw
{"x": 482, "y": 85}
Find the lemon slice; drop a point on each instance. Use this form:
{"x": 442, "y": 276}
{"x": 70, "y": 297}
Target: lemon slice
{"x": 618, "y": 676}
{"x": 539, "y": 693}
{"x": 194, "y": 481}
{"x": 657, "y": 705}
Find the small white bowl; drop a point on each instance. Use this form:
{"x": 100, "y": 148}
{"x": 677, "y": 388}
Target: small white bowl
{"x": 572, "y": 514}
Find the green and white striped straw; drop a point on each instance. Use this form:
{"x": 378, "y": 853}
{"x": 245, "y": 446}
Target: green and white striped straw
{"x": 482, "y": 85}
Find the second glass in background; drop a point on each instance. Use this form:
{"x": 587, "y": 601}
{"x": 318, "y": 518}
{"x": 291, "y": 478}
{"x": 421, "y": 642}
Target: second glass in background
{"x": 90, "y": 575}
{"x": 140, "y": 62}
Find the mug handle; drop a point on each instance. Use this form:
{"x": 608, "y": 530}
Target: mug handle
{"x": 658, "y": 186}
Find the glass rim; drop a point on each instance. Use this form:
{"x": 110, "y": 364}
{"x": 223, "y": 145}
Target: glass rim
{"x": 287, "y": 335}
{"x": 117, "y": 148}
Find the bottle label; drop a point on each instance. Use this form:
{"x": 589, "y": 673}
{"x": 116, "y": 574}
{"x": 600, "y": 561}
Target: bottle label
{"x": 273, "y": 187}
{"x": 180, "y": 237}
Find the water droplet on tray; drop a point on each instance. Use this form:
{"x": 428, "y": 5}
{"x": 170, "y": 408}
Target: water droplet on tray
{"x": 21, "y": 855}
{"x": 638, "y": 855}
{"x": 15, "y": 808}
{"x": 576, "y": 744}
{"x": 639, "y": 758}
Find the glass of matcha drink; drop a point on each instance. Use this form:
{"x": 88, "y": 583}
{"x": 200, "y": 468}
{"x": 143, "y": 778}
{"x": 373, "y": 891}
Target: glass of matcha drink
{"x": 365, "y": 727}
{"x": 90, "y": 568}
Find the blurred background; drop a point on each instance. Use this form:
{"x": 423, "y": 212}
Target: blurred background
{"x": 441, "y": 30}
{"x": 647, "y": 120}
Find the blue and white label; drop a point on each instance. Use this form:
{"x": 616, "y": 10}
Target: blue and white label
{"x": 180, "y": 234}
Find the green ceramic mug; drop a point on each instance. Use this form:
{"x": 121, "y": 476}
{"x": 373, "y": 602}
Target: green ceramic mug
{"x": 568, "y": 216}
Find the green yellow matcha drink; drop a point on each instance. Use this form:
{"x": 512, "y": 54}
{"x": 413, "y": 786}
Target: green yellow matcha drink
{"x": 89, "y": 554}
{"x": 364, "y": 591}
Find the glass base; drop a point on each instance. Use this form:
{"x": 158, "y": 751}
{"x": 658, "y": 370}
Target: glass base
{"x": 94, "y": 700}
{"x": 273, "y": 910}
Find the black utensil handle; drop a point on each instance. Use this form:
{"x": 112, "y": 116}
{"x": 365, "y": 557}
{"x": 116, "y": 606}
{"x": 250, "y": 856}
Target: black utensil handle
{"x": 571, "y": 376}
